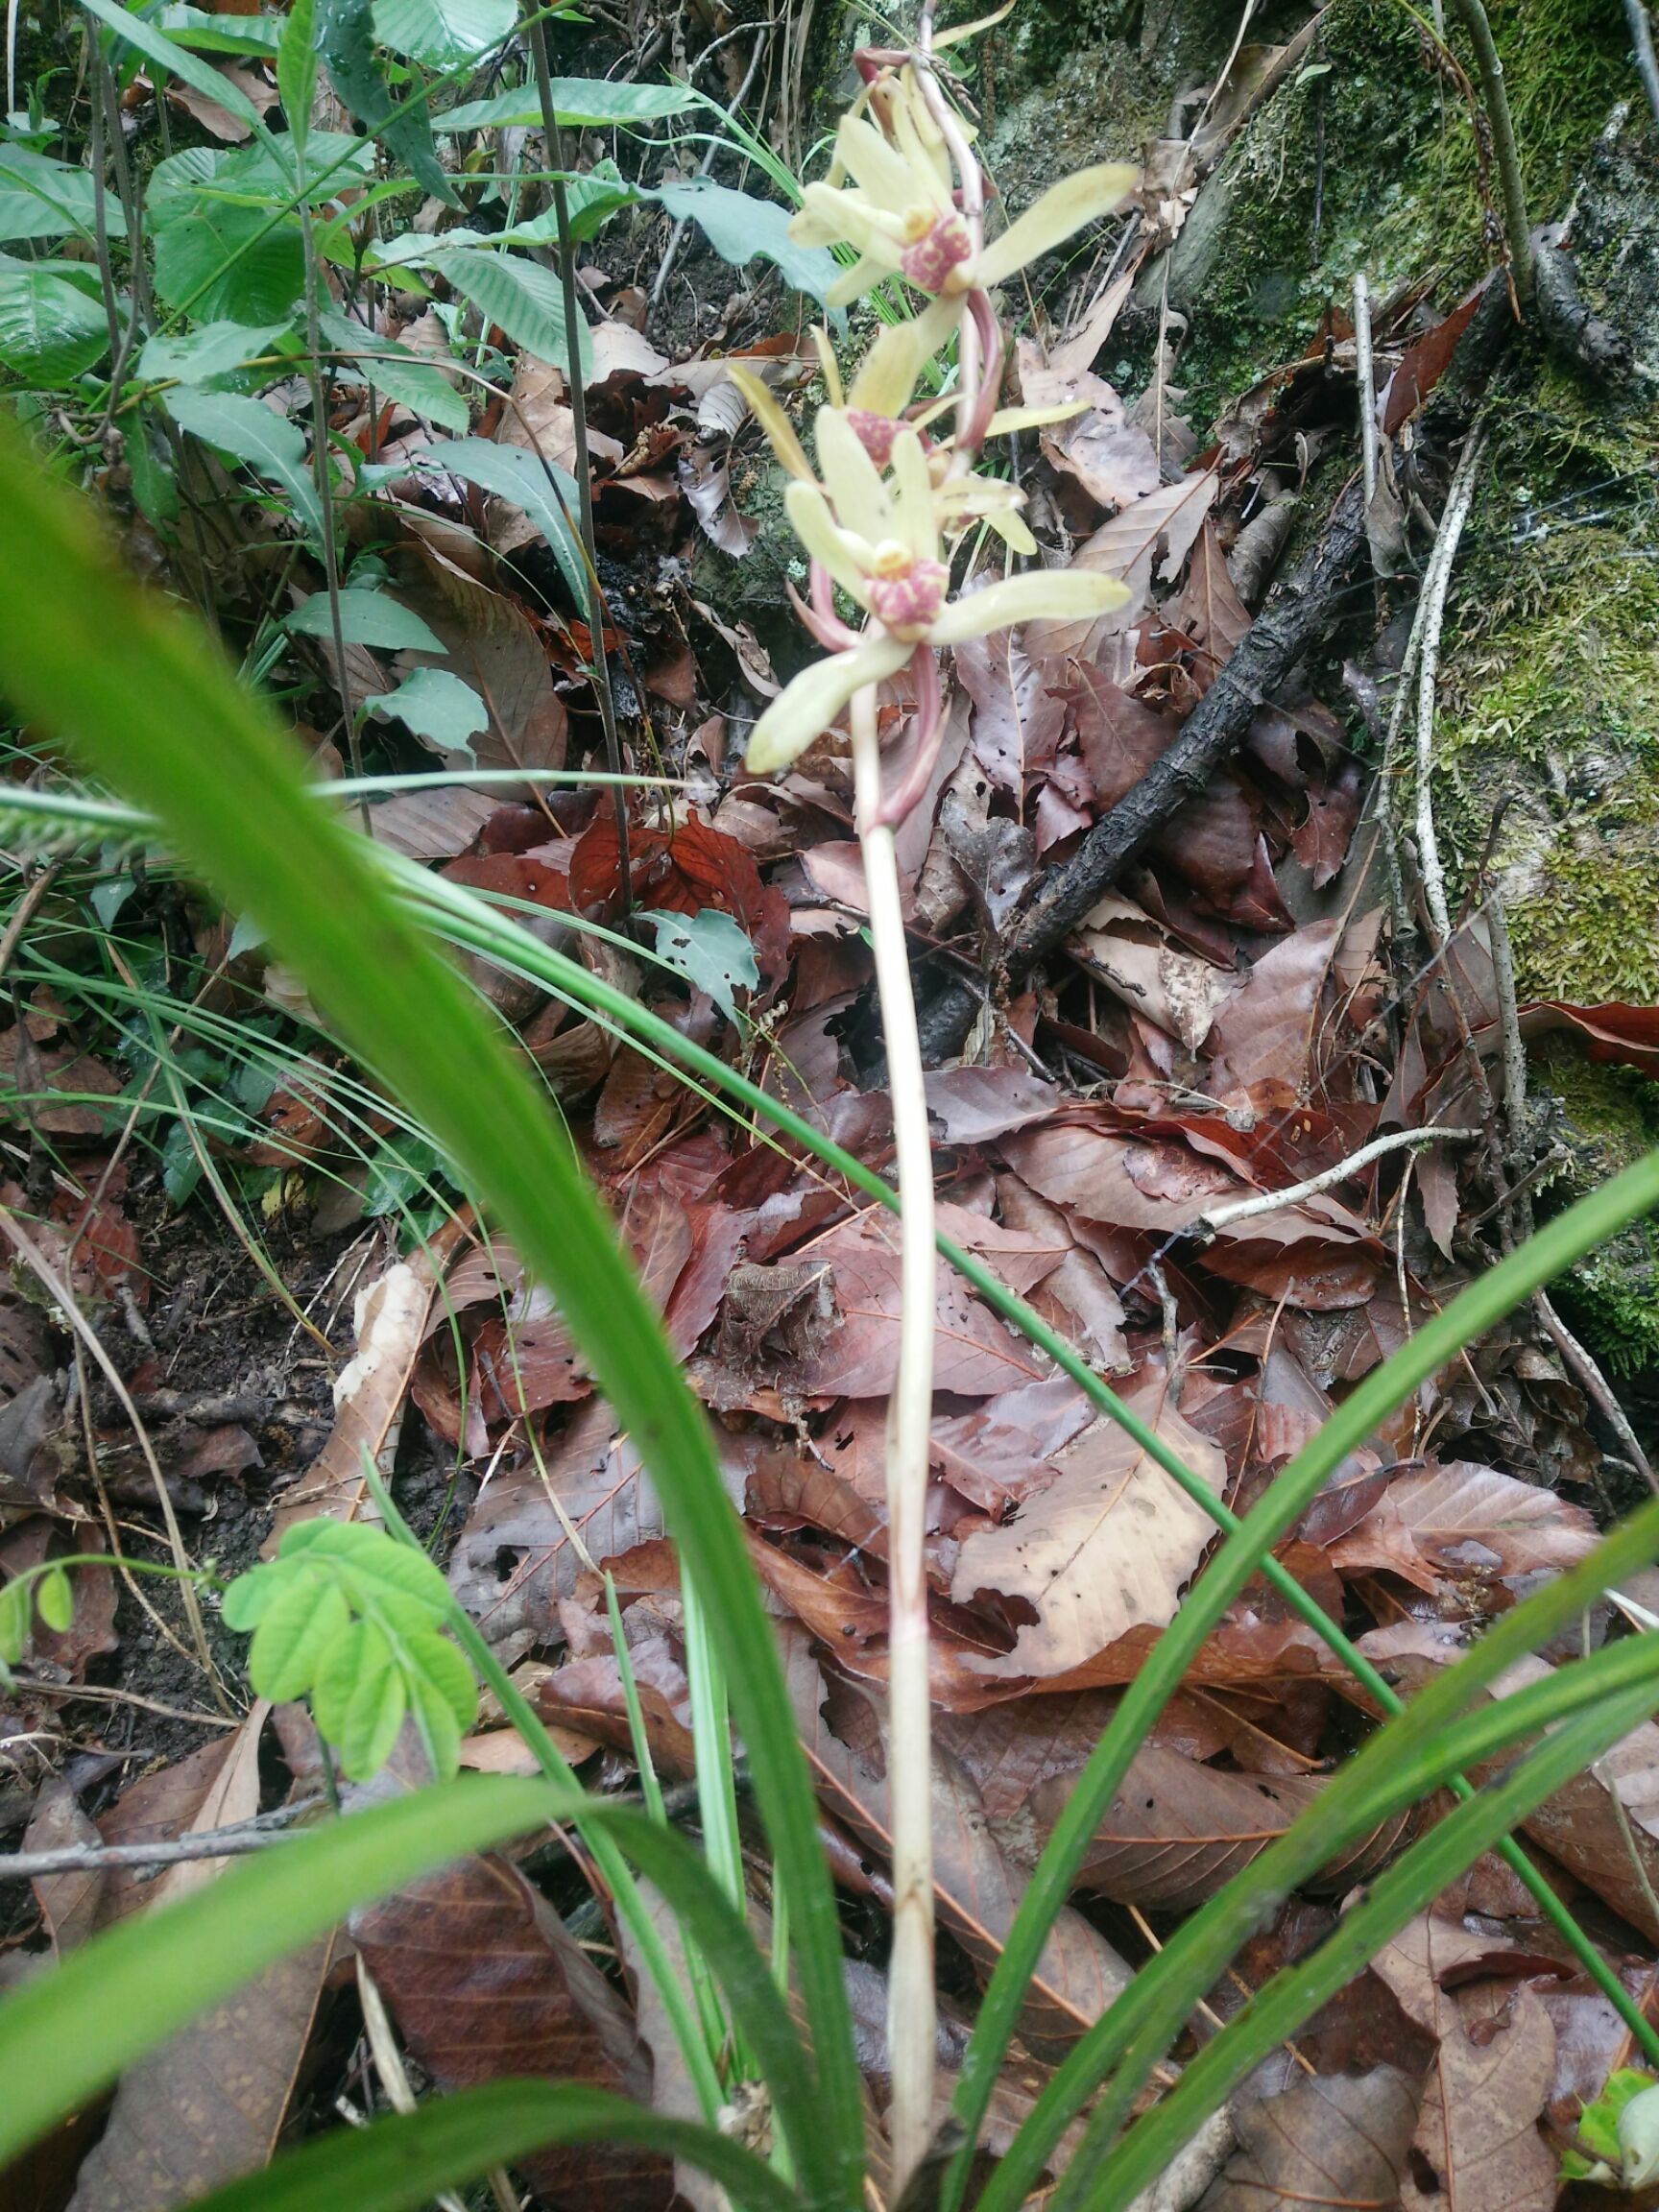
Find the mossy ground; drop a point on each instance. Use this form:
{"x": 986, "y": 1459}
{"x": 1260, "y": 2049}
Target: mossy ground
{"x": 1605, "y": 1117}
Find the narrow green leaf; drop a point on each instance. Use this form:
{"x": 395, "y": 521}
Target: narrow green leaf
{"x": 250, "y": 431}
{"x": 155, "y": 46}
{"x": 446, "y": 1669}
{"x": 397, "y": 373}
{"x": 340, "y": 1665}
{"x": 68, "y": 2032}
{"x": 298, "y": 1624}
{"x": 374, "y": 1710}
{"x": 400, "y": 2165}
{"x": 130, "y": 684}
{"x": 297, "y": 71}
{"x": 208, "y": 353}
{"x": 256, "y": 37}
{"x": 434, "y": 1719}
{"x": 738, "y": 226}
{"x": 345, "y": 33}
{"x": 512, "y": 474}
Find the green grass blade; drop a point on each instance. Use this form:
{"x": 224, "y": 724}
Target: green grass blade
{"x": 66, "y": 2035}
{"x": 1407, "y": 1888}
{"x": 400, "y": 2165}
{"x": 1160, "y": 2000}
{"x": 137, "y": 691}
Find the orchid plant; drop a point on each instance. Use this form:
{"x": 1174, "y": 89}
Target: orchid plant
{"x": 895, "y": 492}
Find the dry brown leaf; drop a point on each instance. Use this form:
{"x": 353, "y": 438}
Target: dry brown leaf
{"x": 492, "y": 647}
{"x": 1106, "y": 1546}
{"x": 1462, "y": 1524}
{"x": 1328, "y": 2144}
{"x": 1146, "y": 543}
{"x": 69, "y": 1903}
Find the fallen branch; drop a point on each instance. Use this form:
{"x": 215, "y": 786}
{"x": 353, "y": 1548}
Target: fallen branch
{"x": 1271, "y": 1201}
{"x": 1296, "y": 617}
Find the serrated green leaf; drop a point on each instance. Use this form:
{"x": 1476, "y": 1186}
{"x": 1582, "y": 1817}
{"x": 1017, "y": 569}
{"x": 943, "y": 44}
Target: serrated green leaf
{"x": 297, "y": 1626}
{"x": 248, "y": 1599}
{"x": 49, "y": 331}
{"x": 444, "y": 1665}
{"x": 374, "y": 1711}
{"x": 206, "y": 355}
{"x": 366, "y": 618}
{"x": 512, "y": 474}
{"x": 524, "y": 298}
{"x": 41, "y": 198}
{"x": 441, "y": 33}
{"x": 711, "y": 950}
{"x": 581, "y": 102}
{"x": 738, "y": 226}
{"x": 345, "y": 35}
{"x": 56, "y": 1600}
{"x": 437, "y": 706}
{"x": 250, "y": 431}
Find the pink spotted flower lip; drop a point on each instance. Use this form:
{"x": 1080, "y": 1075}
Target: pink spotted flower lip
{"x": 880, "y": 538}
{"x": 899, "y": 212}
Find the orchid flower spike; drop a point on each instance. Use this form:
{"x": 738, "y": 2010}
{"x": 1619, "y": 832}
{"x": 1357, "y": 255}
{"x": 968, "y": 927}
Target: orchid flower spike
{"x": 900, "y": 213}
{"x": 880, "y": 540}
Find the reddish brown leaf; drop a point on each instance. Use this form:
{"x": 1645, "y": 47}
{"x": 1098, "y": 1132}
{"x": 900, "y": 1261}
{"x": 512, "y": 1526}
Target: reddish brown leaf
{"x": 1327, "y": 2143}
{"x": 1461, "y": 1524}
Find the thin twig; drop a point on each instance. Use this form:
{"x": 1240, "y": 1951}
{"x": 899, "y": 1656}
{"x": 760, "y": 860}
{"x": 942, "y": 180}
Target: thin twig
{"x": 1365, "y": 373}
{"x": 912, "y": 2002}
{"x": 232, "y": 1842}
{"x": 574, "y": 325}
{"x": 1270, "y": 1201}
{"x": 72, "y": 1693}
{"x": 1437, "y": 583}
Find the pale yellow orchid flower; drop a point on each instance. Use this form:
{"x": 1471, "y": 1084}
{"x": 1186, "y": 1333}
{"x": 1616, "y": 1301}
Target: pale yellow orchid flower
{"x": 901, "y": 214}
{"x": 880, "y": 540}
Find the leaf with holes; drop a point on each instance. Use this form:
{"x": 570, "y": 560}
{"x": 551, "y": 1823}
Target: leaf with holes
{"x": 710, "y": 951}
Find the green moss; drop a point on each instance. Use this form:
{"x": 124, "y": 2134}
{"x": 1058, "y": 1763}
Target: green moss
{"x": 1604, "y": 1117}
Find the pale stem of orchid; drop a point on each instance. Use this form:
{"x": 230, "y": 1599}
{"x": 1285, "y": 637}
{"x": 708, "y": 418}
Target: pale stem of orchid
{"x": 972, "y": 180}
{"x": 911, "y": 2003}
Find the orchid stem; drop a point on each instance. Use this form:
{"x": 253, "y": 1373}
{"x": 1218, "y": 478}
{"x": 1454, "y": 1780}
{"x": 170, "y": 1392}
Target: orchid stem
{"x": 911, "y": 2024}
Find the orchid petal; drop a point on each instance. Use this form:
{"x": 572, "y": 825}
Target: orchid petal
{"x": 1011, "y": 419}
{"x": 829, "y": 366}
{"x": 807, "y": 706}
{"x": 810, "y": 520}
{"x": 1012, "y": 527}
{"x": 913, "y": 503}
{"x": 887, "y": 375}
{"x": 861, "y": 498}
{"x": 780, "y": 430}
{"x": 866, "y": 273}
{"x": 923, "y": 150}
{"x": 1062, "y": 209}
{"x": 1044, "y": 594}
{"x": 825, "y": 218}
{"x": 883, "y": 174}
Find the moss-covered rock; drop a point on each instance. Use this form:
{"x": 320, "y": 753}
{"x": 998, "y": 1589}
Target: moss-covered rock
{"x": 1604, "y": 1118}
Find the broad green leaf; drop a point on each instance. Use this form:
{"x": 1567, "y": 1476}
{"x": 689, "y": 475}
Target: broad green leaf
{"x": 394, "y": 371}
{"x": 513, "y": 473}
{"x": 56, "y": 1600}
{"x": 366, "y": 618}
{"x": 41, "y": 198}
{"x": 255, "y": 35}
{"x": 129, "y": 681}
{"x": 71, "y": 2030}
{"x": 251, "y": 432}
{"x": 374, "y": 1708}
{"x": 581, "y": 102}
{"x": 157, "y": 47}
{"x": 155, "y": 493}
{"x": 334, "y": 161}
{"x": 14, "y": 1620}
{"x": 224, "y": 262}
{"x": 711, "y": 950}
{"x": 434, "y": 1716}
{"x": 522, "y": 297}
{"x": 346, "y": 34}
{"x": 49, "y": 331}
{"x": 298, "y": 1625}
{"x": 738, "y": 226}
{"x": 206, "y": 355}
{"x": 590, "y": 200}
{"x": 437, "y": 706}
{"x": 400, "y": 2165}
{"x": 296, "y": 70}
{"x": 441, "y": 33}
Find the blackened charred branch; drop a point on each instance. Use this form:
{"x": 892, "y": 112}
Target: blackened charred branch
{"x": 1299, "y": 612}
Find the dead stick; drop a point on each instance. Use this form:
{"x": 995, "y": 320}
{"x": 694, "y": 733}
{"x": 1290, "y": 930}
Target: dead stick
{"x": 1296, "y": 617}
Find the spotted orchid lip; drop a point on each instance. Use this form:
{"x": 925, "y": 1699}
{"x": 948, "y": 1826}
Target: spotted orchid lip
{"x": 907, "y": 604}
{"x": 928, "y": 264}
